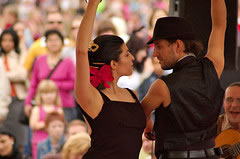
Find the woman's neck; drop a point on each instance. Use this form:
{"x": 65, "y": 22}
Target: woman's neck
{"x": 54, "y": 55}
{"x": 48, "y": 104}
{"x": 48, "y": 107}
{"x": 114, "y": 89}
{"x": 52, "y": 59}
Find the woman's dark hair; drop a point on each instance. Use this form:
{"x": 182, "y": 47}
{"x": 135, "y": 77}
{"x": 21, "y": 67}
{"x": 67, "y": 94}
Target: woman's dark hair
{"x": 13, "y": 33}
{"x": 109, "y": 48}
{"x": 54, "y": 31}
{"x": 135, "y": 44}
{"x": 191, "y": 46}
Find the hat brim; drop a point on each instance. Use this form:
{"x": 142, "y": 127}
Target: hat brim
{"x": 184, "y": 36}
{"x": 152, "y": 40}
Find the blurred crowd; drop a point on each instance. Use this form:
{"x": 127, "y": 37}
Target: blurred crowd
{"x": 37, "y": 70}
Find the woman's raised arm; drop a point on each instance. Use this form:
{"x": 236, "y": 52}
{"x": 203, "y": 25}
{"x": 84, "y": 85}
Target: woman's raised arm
{"x": 84, "y": 91}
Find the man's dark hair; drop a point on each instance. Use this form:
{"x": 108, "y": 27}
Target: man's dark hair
{"x": 191, "y": 46}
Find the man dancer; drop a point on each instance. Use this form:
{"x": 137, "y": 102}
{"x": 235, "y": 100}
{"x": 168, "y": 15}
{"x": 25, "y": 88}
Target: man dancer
{"x": 188, "y": 101}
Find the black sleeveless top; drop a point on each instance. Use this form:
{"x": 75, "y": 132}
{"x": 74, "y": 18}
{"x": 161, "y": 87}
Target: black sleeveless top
{"x": 117, "y": 130}
{"x": 189, "y": 122}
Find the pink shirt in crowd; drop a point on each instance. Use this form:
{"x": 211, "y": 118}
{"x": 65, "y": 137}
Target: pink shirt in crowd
{"x": 63, "y": 76}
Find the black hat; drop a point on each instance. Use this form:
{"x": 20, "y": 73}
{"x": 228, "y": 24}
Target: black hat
{"x": 172, "y": 28}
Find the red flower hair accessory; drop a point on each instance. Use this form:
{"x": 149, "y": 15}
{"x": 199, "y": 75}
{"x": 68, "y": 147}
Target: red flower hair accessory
{"x": 101, "y": 76}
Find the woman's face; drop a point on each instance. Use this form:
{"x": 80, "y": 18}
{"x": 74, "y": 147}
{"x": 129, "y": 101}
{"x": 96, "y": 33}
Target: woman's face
{"x": 6, "y": 145}
{"x": 7, "y": 43}
{"x": 125, "y": 63}
{"x": 54, "y": 43}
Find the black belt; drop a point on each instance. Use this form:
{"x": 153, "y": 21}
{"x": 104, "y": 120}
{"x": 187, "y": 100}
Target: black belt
{"x": 188, "y": 154}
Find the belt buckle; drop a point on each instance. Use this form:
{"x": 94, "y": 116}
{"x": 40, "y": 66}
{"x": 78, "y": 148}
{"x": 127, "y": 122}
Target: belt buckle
{"x": 177, "y": 154}
{"x": 197, "y": 153}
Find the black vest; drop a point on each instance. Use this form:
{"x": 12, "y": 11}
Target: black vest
{"x": 189, "y": 122}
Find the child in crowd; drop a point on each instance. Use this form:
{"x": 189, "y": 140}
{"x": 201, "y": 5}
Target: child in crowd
{"x": 54, "y": 124}
{"x": 76, "y": 146}
{"x": 74, "y": 127}
{"x": 47, "y": 100}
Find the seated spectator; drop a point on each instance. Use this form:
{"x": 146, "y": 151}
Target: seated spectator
{"x": 54, "y": 124}
{"x": 231, "y": 102}
{"x": 228, "y": 124}
{"x": 76, "y": 146}
{"x": 8, "y": 150}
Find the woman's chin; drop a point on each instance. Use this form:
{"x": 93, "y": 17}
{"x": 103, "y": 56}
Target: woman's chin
{"x": 130, "y": 73}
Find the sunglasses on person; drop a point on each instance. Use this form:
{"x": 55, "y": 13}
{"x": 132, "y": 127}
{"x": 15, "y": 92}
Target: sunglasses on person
{"x": 75, "y": 27}
{"x": 52, "y": 22}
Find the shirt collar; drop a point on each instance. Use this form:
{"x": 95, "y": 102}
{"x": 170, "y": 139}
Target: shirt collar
{"x": 190, "y": 54}
{"x": 226, "y": 124}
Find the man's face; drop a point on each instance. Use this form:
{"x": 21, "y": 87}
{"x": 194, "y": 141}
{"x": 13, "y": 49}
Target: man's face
{"x": 165, "y": 53}
{"x": 232, "y": 104}
{"x": 54, "y": 21}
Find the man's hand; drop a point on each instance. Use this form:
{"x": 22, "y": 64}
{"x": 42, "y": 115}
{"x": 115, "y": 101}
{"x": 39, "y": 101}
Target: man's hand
{"x": 148, "y": 130}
